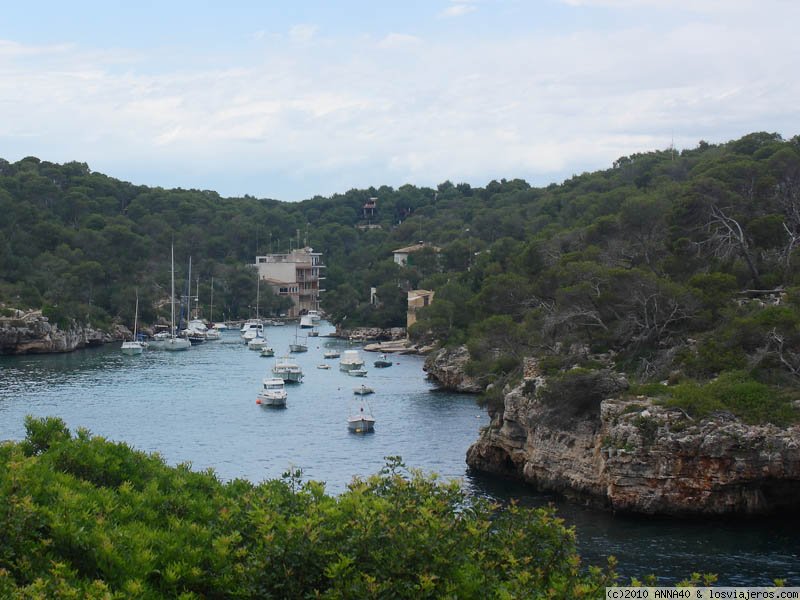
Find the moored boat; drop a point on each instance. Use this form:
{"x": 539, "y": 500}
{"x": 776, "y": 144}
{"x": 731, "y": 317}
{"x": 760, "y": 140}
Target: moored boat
{"x": 287, "y": 369}
{"x": 382, "y": 362}
{"x": 350, "y": 360}
{"x": 273, "y": 392}
{"x": 362, "y": 421}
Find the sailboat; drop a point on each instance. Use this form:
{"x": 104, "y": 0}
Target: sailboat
{"x": 212, "y": 334}
{"x": 297, "y": 346}
{"x": 254, "y": 328}
{"x": 174, "y": 343}
{"x": 134, "y": 346}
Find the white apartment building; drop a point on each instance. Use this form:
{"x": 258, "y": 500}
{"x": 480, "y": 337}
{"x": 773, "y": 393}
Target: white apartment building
{"x": 296, "y": 275}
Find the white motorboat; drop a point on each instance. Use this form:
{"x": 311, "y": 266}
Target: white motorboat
{"x": 267, "y": 352}
{"x": 350, "y": 360}
{"x": 273, "y": 392}
{"x": 306, "y": 322}
{"x": 331, "y": 354}
{"x": 287, "y": 369}
{"x": 315, "y": 316}
{"x": 134, "y": 346}
{"x": 363, "y": 390}
{"x": 357, "y": 372}
{"x": 252, "y": 328}
{"x": 362, "y": 421}
{"x": 323, "y": 366}
{"x": 257, "y": 343}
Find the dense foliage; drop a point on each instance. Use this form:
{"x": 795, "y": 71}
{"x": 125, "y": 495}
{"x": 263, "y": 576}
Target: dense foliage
{"x": 82, "y": 517}
{"x": 661, "y": 266}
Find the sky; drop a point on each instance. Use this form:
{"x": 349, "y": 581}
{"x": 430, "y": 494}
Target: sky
{"x": 288, "y": 100}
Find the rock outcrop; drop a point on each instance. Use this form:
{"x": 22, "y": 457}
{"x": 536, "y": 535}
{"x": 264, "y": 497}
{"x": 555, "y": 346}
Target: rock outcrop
{"x": 635, "y": 455}
{"x": 447, "y": 367}
{"x": 32, "y": 333}
{"x": 371, "y": 333}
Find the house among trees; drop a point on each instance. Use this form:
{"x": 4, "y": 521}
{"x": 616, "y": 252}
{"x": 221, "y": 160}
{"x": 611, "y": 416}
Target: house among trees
{"x": 401, "y": 255}
{"x": 296, "y": 275}
{"x": 417, "y": 299}
{"x": 368, "y": 214}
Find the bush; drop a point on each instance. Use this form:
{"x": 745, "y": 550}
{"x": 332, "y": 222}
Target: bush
{"x": 86, "y": 518}
{"x": 735, "y": 392}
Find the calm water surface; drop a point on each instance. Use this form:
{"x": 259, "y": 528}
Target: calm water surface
{"x": 199, "y": 407}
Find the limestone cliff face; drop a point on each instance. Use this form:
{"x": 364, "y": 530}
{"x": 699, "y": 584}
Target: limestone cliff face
{"x": 32, "y": 333}
{"x": 640, "y": 457}
{"x": 447, "y": 367}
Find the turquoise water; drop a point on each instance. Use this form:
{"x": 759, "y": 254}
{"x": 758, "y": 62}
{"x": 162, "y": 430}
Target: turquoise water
{"x": 199, "y": 407}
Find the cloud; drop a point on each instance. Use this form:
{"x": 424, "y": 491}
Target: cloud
{"x": 303, "y": 32}
{"x": 458, "y": 10}
{"x": 399, "y": 40}
{"x": 347, "y": 111}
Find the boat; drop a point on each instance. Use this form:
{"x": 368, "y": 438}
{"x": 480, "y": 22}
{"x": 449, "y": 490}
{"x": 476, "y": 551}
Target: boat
{"x": 174, "y": 343}
{"x": 267, "y": 352}
{"x": 382, "y": 362}
{"x": 306, "y": 322}
{"x": 363, "y": 390}
{"x": 314, "y": 332}
{"x": 273, "y": 392}
{"x": 323, "y": 366}
{"x": 315, "y": 316}
{"x": 257, "y": 343}
{"x": 357, "y": 372}
{"x": 252, "y": 328}
{"x": 362, "y": 421}
{"x": 196, "y": 331}
{"x": 134, "y": 346}
{"x": 350, "y": 360}
{"x": 331, "y": 354}
{"x": 287, "y": 369}
{"x": 212, "y": 333}
{"x": 297, "y": 346}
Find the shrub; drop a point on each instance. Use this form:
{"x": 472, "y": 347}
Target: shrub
{"x": 86, "y": 518}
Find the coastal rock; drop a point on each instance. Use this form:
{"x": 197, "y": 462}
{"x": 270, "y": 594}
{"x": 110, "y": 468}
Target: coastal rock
{"x": 371, "y": 333}
{"x": 32, "y": 333}
{"x": 638, "y": 456}
{"x": 447, "y": 367}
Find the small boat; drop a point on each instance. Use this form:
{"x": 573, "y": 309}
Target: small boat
{"x": 257, "y": 343}
{"x": 350, "y": 360}
{"x": 323, "y": 366}
{"x": 363, "y": 390}
{"x": 251, "y": 329}
{"x": 313, "y": 333}
{"x": 306, "y": 322}
{"x": 331, "y": 354}
{"x": 297, "y": 346}
{"x": 382, "y": 362}
{"x": 273, "y": 392}
{"x": 362, "y": 421}
{"x": 134, "y": 346}
{"x": 315, "y": 316}
{"x": 267, "y": 352}
{"x": 287, "y": 369}
{"x": 357, "y": 372}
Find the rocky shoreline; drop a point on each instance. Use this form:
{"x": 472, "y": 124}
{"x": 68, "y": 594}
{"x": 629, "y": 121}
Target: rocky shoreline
{"x": 637, "y": 456}
{"x": 32, "y": 333}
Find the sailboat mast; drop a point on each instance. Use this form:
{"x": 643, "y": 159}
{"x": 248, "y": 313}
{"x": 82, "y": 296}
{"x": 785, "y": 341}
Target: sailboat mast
{"x": 211, "y": 310}
{"x": 136, "y": 316}
{"x": 172, "y": 297}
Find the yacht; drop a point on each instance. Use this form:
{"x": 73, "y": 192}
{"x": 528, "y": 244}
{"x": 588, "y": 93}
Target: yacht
{"x": 350, "y": 360}
{"x": 273, "y": 392}
{"x": 287, "y": 369}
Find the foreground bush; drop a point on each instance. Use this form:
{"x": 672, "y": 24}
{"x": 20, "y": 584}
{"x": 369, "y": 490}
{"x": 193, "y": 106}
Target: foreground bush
{"x": 82, "y": 517}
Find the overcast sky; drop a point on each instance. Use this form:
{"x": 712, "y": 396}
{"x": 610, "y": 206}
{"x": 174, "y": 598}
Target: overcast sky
{"x": 291, "y": 99}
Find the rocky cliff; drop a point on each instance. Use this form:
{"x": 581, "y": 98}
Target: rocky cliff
{"x": 447, "y": 367}
{"x": 634, "y": 455}
{"x": 32, "y": 333}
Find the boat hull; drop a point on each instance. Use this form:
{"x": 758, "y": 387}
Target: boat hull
{"x": 361, "y": 425}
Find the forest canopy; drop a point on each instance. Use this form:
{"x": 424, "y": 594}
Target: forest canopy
{"x": 667, "y": 265}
